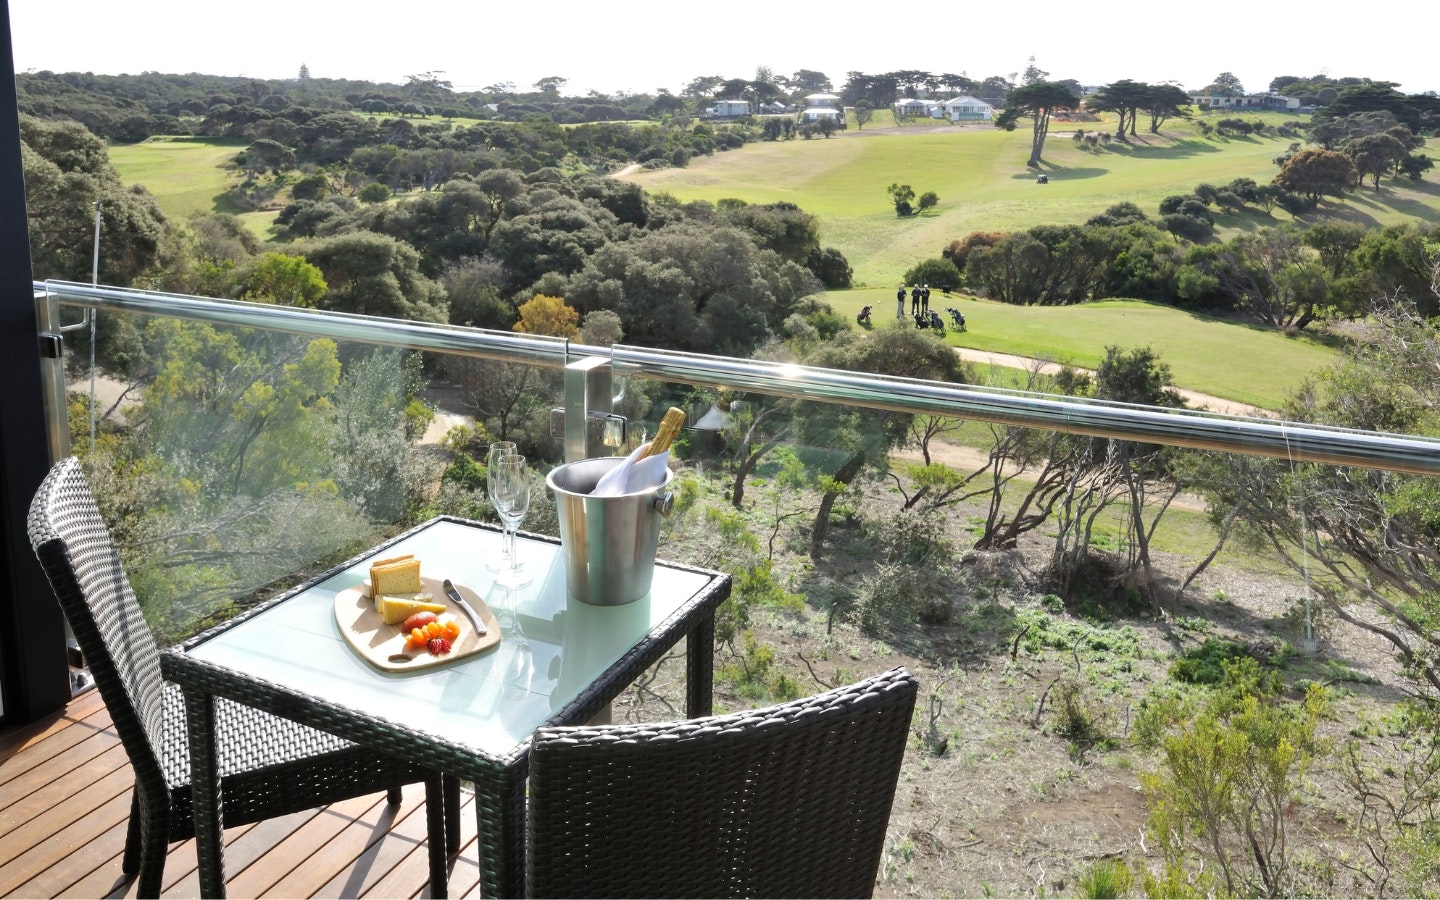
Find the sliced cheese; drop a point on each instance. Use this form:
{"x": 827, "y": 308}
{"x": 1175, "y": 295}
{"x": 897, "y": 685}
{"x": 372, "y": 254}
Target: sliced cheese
{"x": 395, "y": 610}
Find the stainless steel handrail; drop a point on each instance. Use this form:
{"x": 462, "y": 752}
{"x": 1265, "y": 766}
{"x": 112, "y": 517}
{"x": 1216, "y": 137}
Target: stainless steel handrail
{"x": 1209, "y": 431}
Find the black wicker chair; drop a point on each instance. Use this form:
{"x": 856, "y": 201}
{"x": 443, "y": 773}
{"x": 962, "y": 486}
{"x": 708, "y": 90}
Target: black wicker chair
{"x": 269, "y": 766}
{"x": 789, "y": 801}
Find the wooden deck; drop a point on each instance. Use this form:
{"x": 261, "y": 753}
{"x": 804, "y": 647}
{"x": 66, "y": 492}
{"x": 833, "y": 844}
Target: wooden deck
{"x": 65, "y": 799}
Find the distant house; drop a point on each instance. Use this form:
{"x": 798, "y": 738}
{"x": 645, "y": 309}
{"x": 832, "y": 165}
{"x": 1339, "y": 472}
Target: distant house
{"x": 909, "y": 107}
{"x": 813, "y": 114}
{"x": 1247, "y": 102}
{"x": 822, "y": 107}
{"x": 729, "y": 109}
{"x": 968, "y": 109}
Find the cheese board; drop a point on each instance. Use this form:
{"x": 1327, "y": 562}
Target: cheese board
{"x": 385, "y": 647}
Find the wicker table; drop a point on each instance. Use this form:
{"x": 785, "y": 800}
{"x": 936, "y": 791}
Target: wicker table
{"x": 560, "y": 662}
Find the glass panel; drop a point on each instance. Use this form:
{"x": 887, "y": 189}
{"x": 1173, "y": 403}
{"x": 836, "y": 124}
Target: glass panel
{"x": 235, "y": 462}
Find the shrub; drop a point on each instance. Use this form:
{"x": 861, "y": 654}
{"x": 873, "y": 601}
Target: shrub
{"x": 1075, "y": 718}
{"x": 1229, "y": 201}
{"x": 1293, "y": 203}
{"x": 1206, "y": 664}
{"x": 1228, "y": 781}
{"x": 903, "y": 196}
{"x": 938, "y": 273}
{"x": 374, "y": 192}
{"x": 1188, "y": 227}
{"x": 918, "y": 574}
{"x": 831, "y": 267}
{"x": 1244, "y": 188}
{"x": 1106, "y": 880}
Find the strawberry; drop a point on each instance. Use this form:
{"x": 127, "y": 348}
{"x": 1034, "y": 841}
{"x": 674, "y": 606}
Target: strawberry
{"x": 439, "y": 646}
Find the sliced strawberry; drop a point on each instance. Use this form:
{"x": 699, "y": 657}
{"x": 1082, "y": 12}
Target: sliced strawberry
{"x": 439, "y": 646}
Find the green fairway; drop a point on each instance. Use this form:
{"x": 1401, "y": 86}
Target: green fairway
{"x": 983, "y": 185}
{"x": 186, "y": 175}
{"x": 1248, "y": 364}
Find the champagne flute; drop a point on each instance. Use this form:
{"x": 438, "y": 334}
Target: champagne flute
{"x": 512, "y": 500}
{"x": 498, "y": 451}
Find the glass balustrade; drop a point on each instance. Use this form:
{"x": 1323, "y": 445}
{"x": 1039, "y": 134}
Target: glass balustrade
{"x": 236, "y": 459}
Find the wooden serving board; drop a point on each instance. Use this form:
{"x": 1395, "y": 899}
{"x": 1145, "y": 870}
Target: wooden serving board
{"x": 383, "y": 646}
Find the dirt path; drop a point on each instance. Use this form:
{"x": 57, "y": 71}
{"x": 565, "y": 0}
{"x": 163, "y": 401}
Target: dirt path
{"x": 1196, "y": 399}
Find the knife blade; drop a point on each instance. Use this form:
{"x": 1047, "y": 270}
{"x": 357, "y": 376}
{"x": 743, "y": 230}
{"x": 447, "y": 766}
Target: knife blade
{"x": 466, "y": 608}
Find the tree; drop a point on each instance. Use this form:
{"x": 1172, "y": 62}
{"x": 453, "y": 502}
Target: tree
{"x": 1365, "y": 539}
{"x": 928, "y": 200}
{"x": 1225, "y": 85}
{"x": 550, "y": 84}
{"x": 1038, "y": 101}
{"x": 1415, "y": 165}
{"x": 1315, "y": 173}
{"x": 1124, "y": 98}
{"x": 548, "y": 315}
{"x": 1166, "y": 101}
{"x": 861, "y": 437}
{"x": 67, "y": 172}
{"x": 691, "y": 287}
{"x": 287, "y": 280}
{"x": 1335, "y": 242}
{"x": 808, "y": 81}
{"x": 1269, "y": 274}
{"x": 1376, "y": 154}
{"x": 375, "y": 275}
{"x": 703, "y": 88}
{"x": 863, "y": 114}
{"x": 903, "y": 196}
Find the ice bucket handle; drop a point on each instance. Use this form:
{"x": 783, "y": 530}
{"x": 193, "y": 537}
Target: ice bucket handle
{"x": 664, "y": 503}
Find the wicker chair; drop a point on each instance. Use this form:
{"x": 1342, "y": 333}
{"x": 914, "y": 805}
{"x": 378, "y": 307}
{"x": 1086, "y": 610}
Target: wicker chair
{"x": 789, "y": 801}
{"x": 269, "y": 766}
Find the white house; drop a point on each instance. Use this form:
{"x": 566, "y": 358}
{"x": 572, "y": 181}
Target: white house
{"x": 968, "y": 109}
{"x": 822, "y": 100}
{"x": 1248, "y": 102}
{"x": 729, "y": 109}
{"x": 812, "y": 114}
{"x": 909, "y": 107}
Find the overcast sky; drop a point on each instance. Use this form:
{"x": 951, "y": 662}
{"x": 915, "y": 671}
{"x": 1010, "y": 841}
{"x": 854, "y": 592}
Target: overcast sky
{"x": 641, "y": 47}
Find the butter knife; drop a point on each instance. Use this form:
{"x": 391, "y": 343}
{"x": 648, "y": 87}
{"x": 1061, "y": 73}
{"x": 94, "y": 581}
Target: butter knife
{"x": 466, "y": 608}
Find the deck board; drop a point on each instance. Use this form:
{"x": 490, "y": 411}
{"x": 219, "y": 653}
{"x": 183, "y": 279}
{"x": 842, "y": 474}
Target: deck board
{"x": 65, "y": 803}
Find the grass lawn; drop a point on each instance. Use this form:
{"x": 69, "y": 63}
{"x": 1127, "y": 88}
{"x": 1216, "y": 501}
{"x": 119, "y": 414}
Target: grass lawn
{"x": 980, "y": 176}
{"x": 1237, "y": 361}
{"x": 186, "y": 175}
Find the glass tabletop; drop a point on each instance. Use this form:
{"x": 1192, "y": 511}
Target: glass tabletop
{"x": 551, "y": 649}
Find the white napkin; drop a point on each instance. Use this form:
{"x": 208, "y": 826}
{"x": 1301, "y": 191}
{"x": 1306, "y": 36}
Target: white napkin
{"x": 613, "y": 482}
{"x": 634, "y": 474}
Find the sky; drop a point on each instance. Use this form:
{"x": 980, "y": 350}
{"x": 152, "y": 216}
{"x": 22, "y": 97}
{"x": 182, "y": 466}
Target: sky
{"x": 641, "y": 48}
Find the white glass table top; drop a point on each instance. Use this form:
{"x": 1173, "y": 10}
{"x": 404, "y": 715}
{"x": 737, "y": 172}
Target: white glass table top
{"x": 552, "y": 648}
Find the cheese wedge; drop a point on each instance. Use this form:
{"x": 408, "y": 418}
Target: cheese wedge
{"x": 396, "y": 579}
{"x": 395, "y": 610}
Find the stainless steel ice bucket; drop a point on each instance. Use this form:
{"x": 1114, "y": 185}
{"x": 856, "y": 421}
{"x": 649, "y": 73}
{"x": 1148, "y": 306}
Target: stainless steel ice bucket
{"x": 608, "y": 542}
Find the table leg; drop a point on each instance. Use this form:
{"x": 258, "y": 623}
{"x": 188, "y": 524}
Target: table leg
{"x": 205, "y": 787}
{"x": 500, "y": 812}
{"x": 437, "y": 811}
{"x": 700, "y": 668}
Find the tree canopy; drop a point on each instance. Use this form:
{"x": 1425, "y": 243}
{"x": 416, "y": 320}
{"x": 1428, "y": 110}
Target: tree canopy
{"x": 1038, "y": 101}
